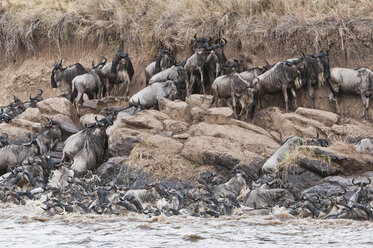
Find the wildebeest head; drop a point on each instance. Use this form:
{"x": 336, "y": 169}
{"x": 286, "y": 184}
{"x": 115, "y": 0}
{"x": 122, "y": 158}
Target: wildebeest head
{"x": 104, "y": 122}
{"x": 324, "y": 59}
{"x": 291, "y": 73}
{"x": 52, "y": 123}
{"x": 118, "y": 57}
{"x": 265, "y": 67}
{"x": 201, "y": 53}
{"x": 218, "y": 50}
{"x": 199, "y": 42}
{"x": 57, "y": 73}
{"x": 38, "y": 97}
{"x": 165, "y": 59}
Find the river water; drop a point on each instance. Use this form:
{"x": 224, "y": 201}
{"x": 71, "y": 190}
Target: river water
{"x": 30, "y": 226}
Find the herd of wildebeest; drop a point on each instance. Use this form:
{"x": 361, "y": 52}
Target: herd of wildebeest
{"x": 64, "y": 182}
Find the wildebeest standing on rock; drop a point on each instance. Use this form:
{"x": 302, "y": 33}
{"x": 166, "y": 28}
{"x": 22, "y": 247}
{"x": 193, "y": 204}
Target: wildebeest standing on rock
{"x": 230, "y": 87}
{"x": 66, "y": 74}
{"x": 165, "y": 59}
{"x": 314, "y": 71}
{"x": 347, "y": 80}
{"x": 282, "y": 76}
{"x": 90, "y": 82}
{"x": 194, "y": 65}
{"x": 120, "y": 70}
{"x": 216, "y": 60}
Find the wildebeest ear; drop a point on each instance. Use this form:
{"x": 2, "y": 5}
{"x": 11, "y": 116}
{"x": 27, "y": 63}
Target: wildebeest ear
{"x": 255, "y": 81}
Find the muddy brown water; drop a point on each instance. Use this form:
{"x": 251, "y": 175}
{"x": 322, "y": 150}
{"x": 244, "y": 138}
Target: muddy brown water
{"x": 30, "y": 226}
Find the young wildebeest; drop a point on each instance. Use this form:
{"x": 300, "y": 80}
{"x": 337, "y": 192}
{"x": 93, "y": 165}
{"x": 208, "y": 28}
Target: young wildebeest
{"x": 232, "y": 87}
{"x": 194, "y": 65}
{"x": 151, "y": 95}
{"x": 90, "y": 82}
{"x": 165, "y": 59}
{"x": 358, "y": 81}
{"x": 66, "y": 74}
{"x": 120, "y": 70}
{"x": 282, "y": 76}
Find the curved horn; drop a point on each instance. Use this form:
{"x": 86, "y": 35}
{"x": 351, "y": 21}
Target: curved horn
{"x": 369, "y": 181}
{"x": 31, "y": 97}
{"x": 353, "y": 181}
{"x": 2, "y": 111}
{"x": 96, "y": 119}
{"x": 266, "y": 62}
{"x": 41, "y": 92}
{"x": 195, "y": 36}
{"x": 225, "y": 42}
{"x": 60, "y": 63}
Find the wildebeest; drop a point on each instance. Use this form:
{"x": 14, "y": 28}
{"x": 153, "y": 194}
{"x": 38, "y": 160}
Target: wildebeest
{"x": 314, "y": 71}
{"x": 90, "y": 82}
{"x": 4, "y": 116}
{"x": 151, "y": 95}
{"x": 282, "y": 76}
{"x": 49, "y": 138}
{"x": 75, "y": 142}
{"x": 13, "y": 155}
{"x": 66, "y": 74}
{"x": 91, "y": 153}
{"x": 33, "y": 100}
{"x": 359, "y": 81}
{"x": 194, "y": 67}
{"x": 233, "y": 87}
{"x": 169, "y": 73}
{"x": 216, "y": 60}
{"x": 165, "y": 59}
{"x": 120, "y": 70}
{"x": 12, "y": 110}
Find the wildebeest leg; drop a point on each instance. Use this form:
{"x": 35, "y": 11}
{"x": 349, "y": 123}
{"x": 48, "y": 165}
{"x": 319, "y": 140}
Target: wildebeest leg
{"x": 295, "y": 98}
{"x": 110, "y": 88}
{"x": 234, "y": 105}
{"x": 192, "y": 80}
{"x": 367, "y": 108}
{"x": 187, "y": 83}
{"x": 202, "y": 80}
{"x": 159, "y": 105}
{"x": 77, "y": 100}
{"x": 363, "y": 99}
{"x": 128, "y": 86}
{"x": 311, "y": 94}
{"x": 285, "y": 93}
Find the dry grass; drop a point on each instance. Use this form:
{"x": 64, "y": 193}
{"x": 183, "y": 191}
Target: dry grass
{"x": 172, "y": 23}
{"x": 288, "y": 163}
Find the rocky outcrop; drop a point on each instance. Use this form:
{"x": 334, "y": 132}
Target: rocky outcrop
{"x": 61, "y": 110}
